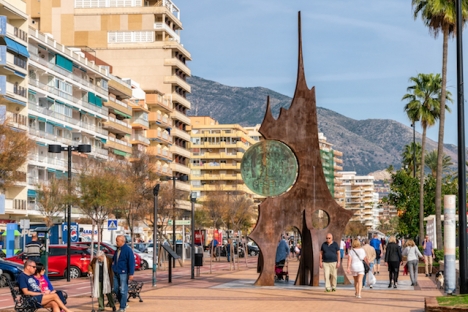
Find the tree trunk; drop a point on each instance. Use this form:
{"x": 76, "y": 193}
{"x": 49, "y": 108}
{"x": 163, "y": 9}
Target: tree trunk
{"x": 421, "y": 185}
{"x": 440, "y": 143}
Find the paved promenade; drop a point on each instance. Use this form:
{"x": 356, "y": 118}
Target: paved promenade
{"x": 226, "y": 290}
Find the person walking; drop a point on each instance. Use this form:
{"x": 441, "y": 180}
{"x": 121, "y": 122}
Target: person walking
{"x": 29, "y": 286}
{"x": 228, "y": 250}
{"x": 100, "y": 271}
{"x": 428, "y": 255}
{"x": 375, "y": 242}
{"x": 413, "y": 255}
{"x": 342, "y": 249}
{"x": 355, "y": 266}
{"x": 393, "y": 258}
{"x": 32, "y": 250}
{"x": 330, "y": 260}
{"x": 123, "y": 266}
{"x": 370, "y": 254}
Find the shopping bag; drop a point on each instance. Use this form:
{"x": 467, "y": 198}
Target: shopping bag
{"x": 371, "y": 280}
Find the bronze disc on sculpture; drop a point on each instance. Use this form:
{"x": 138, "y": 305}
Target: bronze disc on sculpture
{"x": 269, "y": 168}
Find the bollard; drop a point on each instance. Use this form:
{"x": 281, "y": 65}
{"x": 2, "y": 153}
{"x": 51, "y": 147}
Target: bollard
{"x": 449, "y": 244}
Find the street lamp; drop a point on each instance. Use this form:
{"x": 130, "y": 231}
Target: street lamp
{"x": 57, "y": 149}
{"x": 155, "y": 229}
{"x": 174, "y": 179}
{"x": 193, "y": 199}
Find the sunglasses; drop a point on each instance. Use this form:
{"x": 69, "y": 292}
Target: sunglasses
{"x": 328, "y": 237}
{"x": 33, "y": 266}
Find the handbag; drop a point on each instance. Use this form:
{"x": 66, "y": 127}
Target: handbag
{"x": 366, "y": 266}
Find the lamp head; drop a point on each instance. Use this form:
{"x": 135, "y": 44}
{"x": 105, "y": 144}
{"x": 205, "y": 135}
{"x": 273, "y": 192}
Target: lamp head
{"x": 193, "y": 197}
{"x": 156, "y": 190}
{"x": 55, "y": 148}
{"x": 183, "y": 178}
{"x": 84, "y": 148}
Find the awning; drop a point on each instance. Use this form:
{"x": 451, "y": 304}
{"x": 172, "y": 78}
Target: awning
{"x": 14, "y": 100}
{"x": 17, "y": 233}
{"x": 41, "y": 143}
{"x": 120, "y": 153}
{"x": 19, "y": 74}
{"x": 103, "y": 140}
{"x": 32, "y": 117}
{"x": 22, "y": 50}
{"x": 32, "y": 193}
{"x": 68, "y": 128}
{"x": 51, "y": 169}
{"x": 60, "y": 102}
{"x": 122, "y": 114}
{"x": 11, "y": 45}
{"x": 64, "y": 62}
{"x": 31, "y": 91}
{"x": 41, "y": 119}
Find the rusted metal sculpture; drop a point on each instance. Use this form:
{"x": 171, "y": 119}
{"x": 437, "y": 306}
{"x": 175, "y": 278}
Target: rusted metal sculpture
{"x": 297, "y": 128}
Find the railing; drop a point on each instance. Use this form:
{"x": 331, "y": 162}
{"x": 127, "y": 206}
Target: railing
{"x": 101, "y": 110}
{"x": 119, "y": 141}
{"x": 85, "y": 4}
{"x": 118, "y": 102}
{"x": 141, "y": 121}
{"x": 120, "y": 122}
{"x": 119, "y": 80}
{"x": 137, "y": 137}
{"x": 169, "y": 30}
{"x": 100, "y": 151}
{"x": 50, "y": 136}
{"x": 17, "y": 118}
{"x": 33, "y": 57}
{"x": 48, "y": 160}
{"x": 16, "y": 89}
{"x": 13, "y": 59}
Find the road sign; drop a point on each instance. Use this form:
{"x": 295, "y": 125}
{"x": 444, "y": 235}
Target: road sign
{"x": 24, "y": 224}
{"x": 112, "y": 224}
{"x": 179, "y": 222}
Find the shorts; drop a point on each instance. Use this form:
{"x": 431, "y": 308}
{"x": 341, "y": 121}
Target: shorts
{"x": 354, "y": 273}
{"x": 377, "y": 261}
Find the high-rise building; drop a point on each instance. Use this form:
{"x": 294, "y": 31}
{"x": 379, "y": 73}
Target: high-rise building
{"x": 217, "y": 151}
{"x": 141, "y": 39}
{"x": 14, "y": 57}
{"x": 332, "y": 165}
{"x": 361, "y": 198}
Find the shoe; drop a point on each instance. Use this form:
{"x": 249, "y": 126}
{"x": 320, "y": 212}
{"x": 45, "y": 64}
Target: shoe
{"x": 333, "y": 289}
{"x": 371, "y": 286}
{"x": 327, "y": 290}
{"x": 114, "y": 309}
{"x": 427, "y": 275}
{"x": 390, "y": 285}
{"x": 378, "y": 272}
{"x": 430, "y": 274}
{"x": 412, "y": 284}
{"x": 359, "y": 297}
{"x": 395, "y": 285}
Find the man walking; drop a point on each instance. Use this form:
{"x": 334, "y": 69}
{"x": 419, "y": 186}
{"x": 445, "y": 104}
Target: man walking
{"x": 123, "y": 266}
{"x": 375, "y": 242}
{"x": 330, "y": 262}
{"x": 428, "y": 255}
{"x": 32, "y": 250}
{"x": 370, "y": 254}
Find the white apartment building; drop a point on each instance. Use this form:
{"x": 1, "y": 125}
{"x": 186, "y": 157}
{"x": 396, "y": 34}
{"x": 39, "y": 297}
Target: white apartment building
{"x": 359, "y": 196}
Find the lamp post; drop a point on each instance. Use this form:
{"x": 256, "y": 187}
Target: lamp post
{"x": 57, "y": 149}
{"x": 461, "y": 153}
{"x": 193, "y": 199}
{"x": 174, "y": 179}
{"x": 413, "y": 125}
{"x": 155, "y": 229}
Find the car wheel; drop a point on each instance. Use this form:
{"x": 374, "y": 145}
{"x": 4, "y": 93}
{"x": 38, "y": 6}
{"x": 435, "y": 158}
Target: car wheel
{"x": 253, "y": 253}
{"x": 74, "y": 272}
{"x": 4, "y": 278}
{"x": 144, "y": 265}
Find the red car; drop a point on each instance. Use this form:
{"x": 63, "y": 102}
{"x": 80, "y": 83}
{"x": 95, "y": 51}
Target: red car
{"x": 110, "y": 249}
{"x": 79, "y": 260}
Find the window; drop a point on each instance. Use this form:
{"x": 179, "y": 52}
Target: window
{"x": 57, "y": 251}
{"x": 63, "y": 86}
{"x": 130, "y": 36}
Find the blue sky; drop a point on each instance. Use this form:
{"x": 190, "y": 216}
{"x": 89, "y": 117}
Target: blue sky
{"x": 358, "y": 54}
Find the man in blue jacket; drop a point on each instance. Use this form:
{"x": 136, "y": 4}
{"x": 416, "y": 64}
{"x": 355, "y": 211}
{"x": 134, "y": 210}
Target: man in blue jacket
{"x": 123, "y": 266}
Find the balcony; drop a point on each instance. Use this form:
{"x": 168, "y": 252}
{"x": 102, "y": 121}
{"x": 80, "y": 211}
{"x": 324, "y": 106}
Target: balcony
{"x": 164, "y": 27}
{"x": 180, "y": 168}
{"x": 182, "y": 186}
{"x": 180, "y": 151}
{"x": 41, "y": 160}
{"x": 162, "y": 120}
{"x": 218, "y": 177}
{"x": 139, "y": 139}
{"x": 159, "y": 101}
{"x": 17, "y": 121}
{"x": 159, "y": 136}
{"x": 119, "y": 145}
{"x": 215, "y": 166}
{"x": 177, "y": 63}
{"x": 181, "y": 134}
{"x": 178, "y": 81}
{"x": 16, "y": 204}
{"x": 163, "y": 169}
{"x": 117, "y": 126}
{"x": 181, "y": 100}
{"x": 118, "y": 105}
{"x": 39, "y": 134}
{"x": 139, "y": 123}
{"x": 160, "y": 152}
{"x": 221, "y": 187}
{"x": 180, "y": 116}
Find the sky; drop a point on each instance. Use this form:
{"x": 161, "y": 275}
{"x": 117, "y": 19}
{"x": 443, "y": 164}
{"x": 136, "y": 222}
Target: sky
{"x": 358, "y": 54}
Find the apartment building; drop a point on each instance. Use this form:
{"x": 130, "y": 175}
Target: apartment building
{"x": 141, "y": 39}
{"x": 217, "y": 151}
{"x": 332, "y": 162}
{"x": 68, "y": 102}
{"x": 14, "y": 57}
{"x": 361, "y": 198}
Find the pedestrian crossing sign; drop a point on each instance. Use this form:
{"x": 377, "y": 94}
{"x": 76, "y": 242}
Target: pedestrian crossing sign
{"x": 112, "y": 224}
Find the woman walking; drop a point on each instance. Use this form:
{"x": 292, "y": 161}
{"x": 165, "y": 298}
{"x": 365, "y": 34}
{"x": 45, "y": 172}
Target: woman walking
{"x": 355, "y": 266}
{"x": 393, "y": 258}
{"x": 100, "y": 269}
{"x": 413, "y": 255}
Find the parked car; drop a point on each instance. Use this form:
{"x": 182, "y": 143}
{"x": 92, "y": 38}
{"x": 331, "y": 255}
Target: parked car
{"x": 252, "y": 249}
{"x": 80, "y": 258}
{"x": 109, "y": 249}
{"x": 146, "y": 259}
{"x": 9, "y": 271}
{"x": 221, "y": 251}
{"x": 141, "y": 247}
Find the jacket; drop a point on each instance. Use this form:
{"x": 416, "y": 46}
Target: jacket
{"x": 126, "y": 262}
{"x": 412, "y": 253}
{"x": 92, "y": 265}
{"x": 393, "y": 253}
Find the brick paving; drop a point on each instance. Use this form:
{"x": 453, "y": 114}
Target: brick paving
{"x": 226, "y": 290}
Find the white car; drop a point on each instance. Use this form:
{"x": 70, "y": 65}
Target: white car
{"x": 146, "y": 260}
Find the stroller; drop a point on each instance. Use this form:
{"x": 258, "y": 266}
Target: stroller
{"x": 281, "y": 271}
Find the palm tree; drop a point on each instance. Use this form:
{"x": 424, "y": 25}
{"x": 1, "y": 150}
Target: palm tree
{"x": 424, "y": 106}
{"x": 439, "y": 16}
{"x": 410, "y": 152}
{"x": 431, "y": 162}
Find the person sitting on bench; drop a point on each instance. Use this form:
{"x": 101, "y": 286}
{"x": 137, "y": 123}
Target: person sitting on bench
{"x": 45, "y": 284}
{"x": 29, "y": 286}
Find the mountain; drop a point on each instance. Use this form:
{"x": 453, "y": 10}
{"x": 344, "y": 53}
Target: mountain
{"x": 367, "y": 145}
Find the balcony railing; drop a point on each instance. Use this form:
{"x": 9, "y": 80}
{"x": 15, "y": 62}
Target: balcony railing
{"x": 167, "y": 29}
{"x": 141, "y": 121}
{"x": 20, "y": 120}
{"x": 16, "y": 89}
{"x": 140, "y": 138}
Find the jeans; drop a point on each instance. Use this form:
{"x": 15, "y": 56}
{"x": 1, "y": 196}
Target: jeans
{"x": 413, "y": 271}
{"x": 371, "y": 266}
{"x": 121, "y": 289}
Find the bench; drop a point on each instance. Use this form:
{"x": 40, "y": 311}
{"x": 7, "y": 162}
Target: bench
{"x": 134, "y": 289}
{"x": 23, "y": 303}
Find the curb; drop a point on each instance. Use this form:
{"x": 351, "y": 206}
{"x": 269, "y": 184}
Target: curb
{"x": 431, "y": 305}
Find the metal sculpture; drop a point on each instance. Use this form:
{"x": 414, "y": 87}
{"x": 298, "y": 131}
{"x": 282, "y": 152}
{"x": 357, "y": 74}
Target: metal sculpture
{"x": 307, "y": 198}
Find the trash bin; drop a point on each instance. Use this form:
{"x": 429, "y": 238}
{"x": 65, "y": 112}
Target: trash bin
{"x": 198, "y": 260}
